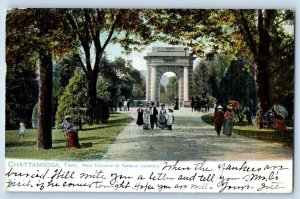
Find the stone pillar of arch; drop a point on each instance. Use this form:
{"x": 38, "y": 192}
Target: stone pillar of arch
{"x": 153, "y": 83}
{"x": 186, "y": 83}
{"x": 180, "y": 90}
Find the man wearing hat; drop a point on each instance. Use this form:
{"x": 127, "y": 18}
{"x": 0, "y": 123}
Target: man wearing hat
{"x": 153, "y": 115}
{"x": 219, "y": 119}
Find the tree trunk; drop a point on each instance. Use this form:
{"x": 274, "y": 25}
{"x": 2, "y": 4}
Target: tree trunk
{"x": 262, "y": 61}
{"x": 44, "y": 140}
{"x": 92, "y": 93}
{"x": 263, "y": 88}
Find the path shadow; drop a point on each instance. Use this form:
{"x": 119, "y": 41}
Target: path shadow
{"x": 92, "y": 138}
{"x": 121, "y": 120}
{"x": 20, "y": 144}
{"x": 60, "y": 147}
{"x": 94, "y": 128}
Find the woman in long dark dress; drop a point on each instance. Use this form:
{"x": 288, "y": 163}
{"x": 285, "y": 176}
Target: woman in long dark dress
{"x": 140, "y": 120}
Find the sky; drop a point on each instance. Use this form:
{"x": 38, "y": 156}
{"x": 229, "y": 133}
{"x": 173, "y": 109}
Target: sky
{"x": 114, "y": 50}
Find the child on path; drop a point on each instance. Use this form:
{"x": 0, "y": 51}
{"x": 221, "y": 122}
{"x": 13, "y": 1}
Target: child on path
{"x": 170, "y": 119}
{"x": 22, "y": 130}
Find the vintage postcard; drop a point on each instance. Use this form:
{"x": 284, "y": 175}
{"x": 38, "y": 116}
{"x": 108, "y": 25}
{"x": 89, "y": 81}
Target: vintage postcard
{"x": 149, "y": 100}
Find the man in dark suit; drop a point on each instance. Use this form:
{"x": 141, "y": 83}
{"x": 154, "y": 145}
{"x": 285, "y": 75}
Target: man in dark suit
{"x": 153, "y": 115}
{"x": 128, "y": 104}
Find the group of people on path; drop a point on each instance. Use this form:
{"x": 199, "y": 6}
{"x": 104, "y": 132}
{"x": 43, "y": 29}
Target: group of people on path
{"x": 224, "y": 120}
{"x": 150, "y": 117}
{"x": 200, "y": 104}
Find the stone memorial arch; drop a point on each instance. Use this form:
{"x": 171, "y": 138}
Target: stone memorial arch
{"x": 170, "y": 59}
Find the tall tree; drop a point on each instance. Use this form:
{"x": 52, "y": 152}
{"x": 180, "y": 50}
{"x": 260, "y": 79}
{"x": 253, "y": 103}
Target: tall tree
{"x": 202, "y": 74}
{"x": 119, "y": 79}
{"x": 245, "y": 34}
{"x": 139, "y": 88}
{"x": 44, "y": 26}
{"x": 95, "y": 29}
{"x": 21, "y": 72}
{"x": 258, "y": 37}
{"x": 39, "y": 31}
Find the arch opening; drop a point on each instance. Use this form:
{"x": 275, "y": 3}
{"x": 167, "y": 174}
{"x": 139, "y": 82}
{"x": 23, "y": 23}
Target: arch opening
{"x": 169, "y": 88}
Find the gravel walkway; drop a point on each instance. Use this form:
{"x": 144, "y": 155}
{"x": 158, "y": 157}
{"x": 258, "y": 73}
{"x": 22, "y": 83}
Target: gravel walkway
{"x": 190, "y": 139}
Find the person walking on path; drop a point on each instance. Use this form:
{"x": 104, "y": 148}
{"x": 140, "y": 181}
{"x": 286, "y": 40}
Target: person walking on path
{"x": 125, "y": 105}
{"x": 227, "y": 130}
{"x": 218, "y": 119}
{"x": 120, "y": 105}
{"x": 169, "y": 119}
{"x": 128, "y": 104}
{"x": 153, "y": 115}
{"x": 146, "y": 117}
{"x": 162, "y": 117}
{"x": 193, "y": 103}
{"x": 140, "y": 120}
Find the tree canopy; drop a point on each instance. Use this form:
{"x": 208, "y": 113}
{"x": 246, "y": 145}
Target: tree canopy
{"x": 95, "y": 29}
{"x": 260, "y": 37}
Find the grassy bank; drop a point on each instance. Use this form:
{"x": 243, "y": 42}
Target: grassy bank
{"x": 99, "y": 135}
{"x": 261, "y": 134}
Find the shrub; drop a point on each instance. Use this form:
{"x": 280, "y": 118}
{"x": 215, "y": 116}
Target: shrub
{"x": 74, "y": 100}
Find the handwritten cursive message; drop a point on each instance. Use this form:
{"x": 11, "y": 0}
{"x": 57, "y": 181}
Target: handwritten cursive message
{"x": 165, "y": 176}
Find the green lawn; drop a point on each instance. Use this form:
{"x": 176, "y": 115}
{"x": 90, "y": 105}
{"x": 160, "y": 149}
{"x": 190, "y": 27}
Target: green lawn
{"x": 101, "y": 136}
{"x": 261, "y": 134}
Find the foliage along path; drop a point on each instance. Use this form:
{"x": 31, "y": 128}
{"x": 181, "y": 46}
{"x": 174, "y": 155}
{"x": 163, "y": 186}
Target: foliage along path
{"x": 190, "y": 139}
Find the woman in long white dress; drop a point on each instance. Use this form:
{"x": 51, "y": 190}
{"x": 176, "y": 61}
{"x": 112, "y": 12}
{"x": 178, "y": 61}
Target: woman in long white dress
{"x": 146, "y": 117}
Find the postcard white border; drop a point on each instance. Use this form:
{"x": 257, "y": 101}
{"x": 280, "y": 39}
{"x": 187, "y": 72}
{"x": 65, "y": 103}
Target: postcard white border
{"x": 291, "y": 4}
